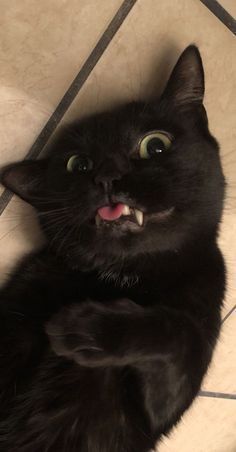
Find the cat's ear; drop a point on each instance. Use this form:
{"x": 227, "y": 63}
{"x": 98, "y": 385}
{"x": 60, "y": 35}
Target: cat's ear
{"x": 26, "y": 179}
{"x": 185, "y": 87}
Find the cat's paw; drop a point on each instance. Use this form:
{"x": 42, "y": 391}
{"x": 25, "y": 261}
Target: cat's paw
{"x": 74, "y": 332}
{"x": 88, "y": 333}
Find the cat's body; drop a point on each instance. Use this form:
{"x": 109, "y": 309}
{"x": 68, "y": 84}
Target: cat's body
{"x": 107, "y": 332}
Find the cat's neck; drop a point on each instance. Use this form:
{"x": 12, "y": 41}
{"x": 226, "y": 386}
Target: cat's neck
{"x": 170, "y": 265}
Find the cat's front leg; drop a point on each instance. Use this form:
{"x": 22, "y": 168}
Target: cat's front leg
{"x": 122, "y": 333}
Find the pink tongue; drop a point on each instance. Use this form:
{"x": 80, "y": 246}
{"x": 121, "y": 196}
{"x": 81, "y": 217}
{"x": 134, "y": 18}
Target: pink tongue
{"x": 111, "y": 213}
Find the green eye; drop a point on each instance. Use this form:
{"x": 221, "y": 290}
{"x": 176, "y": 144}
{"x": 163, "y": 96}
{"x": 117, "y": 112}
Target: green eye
{"x": 79, "y": 163}
{"x": 153, "y": 144}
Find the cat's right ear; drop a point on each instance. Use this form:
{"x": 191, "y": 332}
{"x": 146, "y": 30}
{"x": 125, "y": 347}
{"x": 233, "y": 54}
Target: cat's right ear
{"x": 185, "y": 88}
{"x": 26, "y": 179}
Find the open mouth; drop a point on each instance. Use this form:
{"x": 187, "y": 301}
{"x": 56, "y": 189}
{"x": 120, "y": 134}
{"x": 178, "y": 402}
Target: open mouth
{"x": 126, "y": 217}
{"x": 120, "y": 216}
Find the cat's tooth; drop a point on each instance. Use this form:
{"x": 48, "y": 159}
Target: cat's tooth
{"x": 98, "y": 220}
{"x": 139, "y": 216}
{"x": 126, "y": 210}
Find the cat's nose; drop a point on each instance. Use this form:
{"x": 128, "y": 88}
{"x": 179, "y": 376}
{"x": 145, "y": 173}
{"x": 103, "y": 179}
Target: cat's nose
{"x": 107, "y": 185}
{"x": 106, "y": 180}
{"x": 111, "y": 170}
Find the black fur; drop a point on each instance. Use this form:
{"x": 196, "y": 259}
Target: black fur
{"x": 106, "y": 333}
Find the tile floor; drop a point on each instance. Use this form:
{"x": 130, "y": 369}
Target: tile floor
{"x": 230, "y": 6}
{"x": 43, "y": 46}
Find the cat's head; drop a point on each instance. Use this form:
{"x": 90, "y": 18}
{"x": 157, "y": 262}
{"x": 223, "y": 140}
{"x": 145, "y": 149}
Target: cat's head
{"x": 143, "y": 178}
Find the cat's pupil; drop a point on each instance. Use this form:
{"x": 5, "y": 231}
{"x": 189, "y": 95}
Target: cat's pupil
{"x": 82, "y": 164}
{"x": 155, "y": 146}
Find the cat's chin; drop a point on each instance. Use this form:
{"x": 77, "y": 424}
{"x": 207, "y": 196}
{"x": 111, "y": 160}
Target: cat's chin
{"x": 120, "y": 226}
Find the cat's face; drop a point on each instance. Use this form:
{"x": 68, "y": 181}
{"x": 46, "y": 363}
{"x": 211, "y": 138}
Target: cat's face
{"x": 143, "y": 178}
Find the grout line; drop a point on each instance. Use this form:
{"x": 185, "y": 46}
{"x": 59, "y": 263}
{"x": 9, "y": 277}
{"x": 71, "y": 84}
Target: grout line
{"x": 229, "y": 314}
{"x": 5, "y": 198}
{"x": 217, "y": 395}
{"x": 74, "y": 89}
{"x": 221, "y": 14}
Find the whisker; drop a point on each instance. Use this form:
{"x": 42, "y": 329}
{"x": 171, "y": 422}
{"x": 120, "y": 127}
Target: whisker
{"x": 65, "y": 222}
{"x": 72, "y": 229}
{"x": 53, "y": 224}
{"x": 54, "y": 211}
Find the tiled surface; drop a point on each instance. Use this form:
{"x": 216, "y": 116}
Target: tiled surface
{"x": 227, "y": 242}
{"x": 222, "y": 373}
{"x": 230, "y": 6}
{"x": 19, "y": 234}
{"x": 209, "y": 426}
{"x": 43, "y": 46}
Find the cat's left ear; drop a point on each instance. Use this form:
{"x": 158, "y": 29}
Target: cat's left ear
{"x": 26, "y": 179}
{"x": 185, "y": 87}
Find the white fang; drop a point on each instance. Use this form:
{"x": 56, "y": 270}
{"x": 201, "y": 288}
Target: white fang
{"x": 126, "y": 210}
{"x": 139, "y": 216}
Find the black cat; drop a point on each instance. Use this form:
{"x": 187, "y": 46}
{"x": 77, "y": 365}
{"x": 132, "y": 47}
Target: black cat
{"x": 107, "y": 332}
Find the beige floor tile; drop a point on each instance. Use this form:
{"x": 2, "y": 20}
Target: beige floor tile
{"x": 209, "y": 426}
{"x": 227, "y": 242}
{"x": 21, "y": 119}
{"x": 19, "y": 234}
{"x": 42, "y": 47}
{"x": 222, "y": 372}
{"x": 230, "y": 6}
